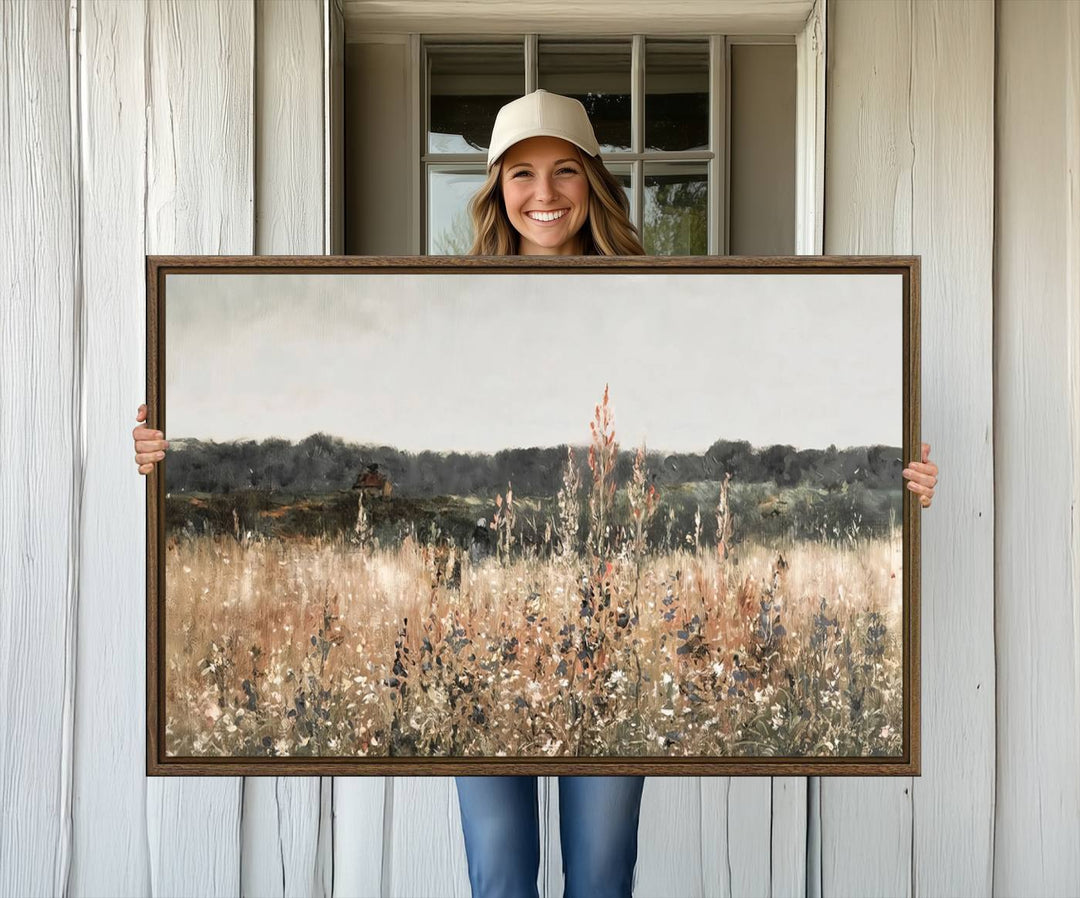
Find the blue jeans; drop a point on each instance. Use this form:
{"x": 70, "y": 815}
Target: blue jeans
{"x": 598, "y": 821}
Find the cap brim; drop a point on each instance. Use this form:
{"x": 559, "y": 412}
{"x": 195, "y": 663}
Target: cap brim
{"x": 495, "y": 153}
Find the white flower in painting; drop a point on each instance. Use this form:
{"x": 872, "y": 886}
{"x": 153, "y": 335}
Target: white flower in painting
{"x": 668, "y": 712}
{"x": 886, "y": 732}
{"x": 617, "y": 676}
{"x": 718, "y": 668}
{"x": 667, "y": 679}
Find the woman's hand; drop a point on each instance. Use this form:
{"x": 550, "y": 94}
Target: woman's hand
{"x": 149, "y": 445}
{"x": 922, "y": 477}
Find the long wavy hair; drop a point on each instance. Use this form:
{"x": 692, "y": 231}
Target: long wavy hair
{"x": 607, "y": 230}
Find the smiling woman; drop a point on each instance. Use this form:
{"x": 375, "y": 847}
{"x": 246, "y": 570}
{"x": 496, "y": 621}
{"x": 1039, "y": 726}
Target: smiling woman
{"x": 546, "y": 196}
{"x": 547, "y": 191}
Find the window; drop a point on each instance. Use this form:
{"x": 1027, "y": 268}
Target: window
{"x": 660, "y": 108}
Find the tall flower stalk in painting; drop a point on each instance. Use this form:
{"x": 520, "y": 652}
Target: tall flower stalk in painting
{"x": 569, "y": 507}
{"x": 642, "y": 497}
{"x": 603, "y": 452}
{"x": 502, "y": 522}
{"x": 724, "y": 525}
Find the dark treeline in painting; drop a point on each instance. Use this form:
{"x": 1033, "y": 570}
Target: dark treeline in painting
{"x": 276, "y": 487}
{"x": 321, "y": 463}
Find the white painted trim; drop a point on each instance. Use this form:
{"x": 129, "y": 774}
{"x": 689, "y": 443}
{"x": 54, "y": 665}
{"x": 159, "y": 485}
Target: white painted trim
{"x": 763, "y": 40}
{"x": 810, "y": 134}
{"x": 417, "y": 214}
{"x": 725, "y": 242}
{"x": 718, "y": 141}
{"x": 637, "y": 131}
{"x": 1072, "y": 292}
{"x": 750, "y": 17}
{"x": 328, "y": 125}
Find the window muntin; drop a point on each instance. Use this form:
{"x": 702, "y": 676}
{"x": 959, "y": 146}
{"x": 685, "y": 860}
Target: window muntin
{"x": 467, "y": 84}
{"x": 598, "y": 75}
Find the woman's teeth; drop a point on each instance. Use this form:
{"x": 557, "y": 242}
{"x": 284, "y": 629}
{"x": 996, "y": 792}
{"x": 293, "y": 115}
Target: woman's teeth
{"x": 546, "y": 216}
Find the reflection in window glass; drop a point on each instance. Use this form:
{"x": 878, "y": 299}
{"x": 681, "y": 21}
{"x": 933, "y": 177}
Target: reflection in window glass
{"x": 623, "y": 176}
{"x": 467, "y": 84}
{"x": 597, "y": 74}
{"x": 676, "y": 95}
{"x": 449, "y": 191}
{"x": 676, "y": 209}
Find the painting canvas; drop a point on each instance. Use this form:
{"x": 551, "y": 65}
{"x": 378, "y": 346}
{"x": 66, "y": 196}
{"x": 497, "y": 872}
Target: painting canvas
{"x": 513, "y": 516}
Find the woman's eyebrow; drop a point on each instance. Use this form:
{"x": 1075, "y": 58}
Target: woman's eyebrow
{"x": 529, "y": 164}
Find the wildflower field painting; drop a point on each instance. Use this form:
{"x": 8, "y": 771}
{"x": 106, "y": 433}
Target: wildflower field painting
{"x": 507, "y": 515}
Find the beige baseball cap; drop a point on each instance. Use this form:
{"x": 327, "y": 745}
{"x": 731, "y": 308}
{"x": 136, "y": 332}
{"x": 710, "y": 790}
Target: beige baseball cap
{"x": 541, "y": 114}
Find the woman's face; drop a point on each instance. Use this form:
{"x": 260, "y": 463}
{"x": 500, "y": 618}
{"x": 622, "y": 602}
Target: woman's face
{"x": 546, "y": 195}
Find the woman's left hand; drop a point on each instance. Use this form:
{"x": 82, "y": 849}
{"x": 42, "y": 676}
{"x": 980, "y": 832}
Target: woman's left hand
{"x": 922, "y": 477}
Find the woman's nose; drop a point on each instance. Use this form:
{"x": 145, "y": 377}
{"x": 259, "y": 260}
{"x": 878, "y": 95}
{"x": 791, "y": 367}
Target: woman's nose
{"x": 545, "y": 188}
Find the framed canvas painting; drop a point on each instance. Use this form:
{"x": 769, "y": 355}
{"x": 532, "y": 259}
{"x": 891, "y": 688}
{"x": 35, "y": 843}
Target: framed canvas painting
{"x": 443, "y": 515}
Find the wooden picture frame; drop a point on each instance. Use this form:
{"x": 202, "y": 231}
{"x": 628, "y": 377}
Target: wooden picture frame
{"x": 814, "y": 345}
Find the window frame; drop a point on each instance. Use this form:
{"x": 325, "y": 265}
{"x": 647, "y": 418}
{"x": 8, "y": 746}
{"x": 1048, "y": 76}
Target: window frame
{"x": 810, "y": 123}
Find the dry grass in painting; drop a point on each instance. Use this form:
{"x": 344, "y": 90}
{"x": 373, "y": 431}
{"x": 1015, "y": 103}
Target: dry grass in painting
{"x": 587, "y": 642}
{"x": 326, "y": 647}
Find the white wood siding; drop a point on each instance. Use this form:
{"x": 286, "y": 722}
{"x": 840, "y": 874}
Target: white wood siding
{"x": 109, "y": 822}
{"x": 1036, "y": 451}
{"x": 134, "y": 127}
{"x": 909, "y": 169}
{"x": 41, "y": 446}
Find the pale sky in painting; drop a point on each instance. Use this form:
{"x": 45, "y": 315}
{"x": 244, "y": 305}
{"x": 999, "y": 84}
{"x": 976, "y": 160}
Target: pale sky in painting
{"x": 481, "y": 362}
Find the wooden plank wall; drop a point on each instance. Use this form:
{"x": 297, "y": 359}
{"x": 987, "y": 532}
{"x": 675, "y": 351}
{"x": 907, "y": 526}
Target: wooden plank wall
{"x": 108, "y": 819}
{"x": 1037, "y": 450}
{"x": 41, "y": 446}
{"x": 909, "y": 169}
{"x": 171, "y": 126}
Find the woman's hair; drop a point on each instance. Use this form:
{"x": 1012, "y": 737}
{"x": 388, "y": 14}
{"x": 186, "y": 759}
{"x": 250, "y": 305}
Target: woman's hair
{"x": 607, "y": 231}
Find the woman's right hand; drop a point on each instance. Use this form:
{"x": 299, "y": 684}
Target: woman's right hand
{"x": 149, "y": 444}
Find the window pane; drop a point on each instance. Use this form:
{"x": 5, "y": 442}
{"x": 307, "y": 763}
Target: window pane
{"x": 623, "y": 175}
{"x": 676, "y": 209}
{"x": 597, "y": 74}
{"x": 466, "y": 87}
{"x": 449, "y": 191}
{"x": 676, "y": 95}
